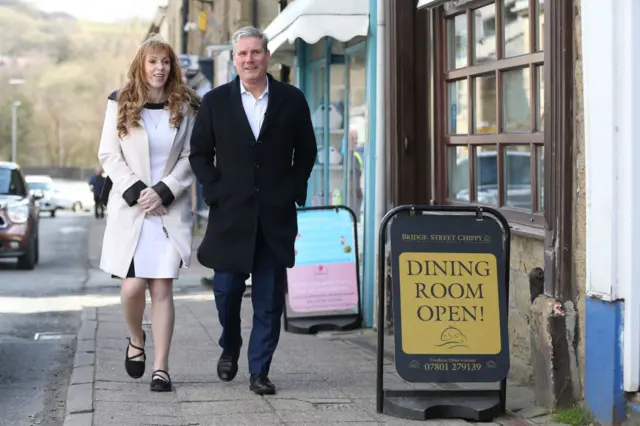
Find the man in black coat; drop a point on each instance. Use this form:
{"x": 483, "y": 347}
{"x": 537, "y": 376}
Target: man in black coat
{"x": 252, "y": 148}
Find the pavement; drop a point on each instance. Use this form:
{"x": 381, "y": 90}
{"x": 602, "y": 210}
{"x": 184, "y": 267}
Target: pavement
{"x": 326, "y": 379}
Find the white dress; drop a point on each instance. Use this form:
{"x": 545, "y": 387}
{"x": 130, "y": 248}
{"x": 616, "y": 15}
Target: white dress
{"x": 155, "y": 255}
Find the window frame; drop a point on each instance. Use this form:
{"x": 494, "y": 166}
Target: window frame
{"x": 535, "y": 217}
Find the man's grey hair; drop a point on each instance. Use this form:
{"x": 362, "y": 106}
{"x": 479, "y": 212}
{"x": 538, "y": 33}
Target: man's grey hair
{"x": 249, "y": 32}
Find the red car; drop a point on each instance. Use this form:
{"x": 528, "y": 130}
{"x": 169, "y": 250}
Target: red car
{"x": 19, "y": 217}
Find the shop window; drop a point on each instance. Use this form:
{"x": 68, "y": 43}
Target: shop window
{"x": 493, "y": 90}
{"x": 340, "y": 124}
{"x": 315, "y": 96}
{"x": 355, "y": 145}
{"x": 539, "y": 25}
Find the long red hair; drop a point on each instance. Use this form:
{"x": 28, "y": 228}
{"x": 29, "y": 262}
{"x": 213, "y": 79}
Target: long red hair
{"x": 135, "y": 94}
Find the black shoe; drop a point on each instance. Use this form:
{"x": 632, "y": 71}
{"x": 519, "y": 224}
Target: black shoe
{"x": 160, "y": 381}
{"x": 135, "y": 365}
{"x": 261, "y": 385}
{"x": 228, "y": 366}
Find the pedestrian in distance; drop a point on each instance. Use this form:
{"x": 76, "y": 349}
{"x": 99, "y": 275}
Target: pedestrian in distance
{"x": 253, "y": 148}
{"x": 96, "y": 183}
{"x": 144, "y": 150}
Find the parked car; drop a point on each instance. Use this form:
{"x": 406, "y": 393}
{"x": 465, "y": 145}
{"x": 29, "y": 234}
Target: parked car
{"x": 19, "y": 217}
{"x": 45, "y": 185}
{"x": 73, "y": 195}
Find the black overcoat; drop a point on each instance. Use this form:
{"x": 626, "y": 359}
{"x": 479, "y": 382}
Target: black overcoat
{"x": 247, "y": 179}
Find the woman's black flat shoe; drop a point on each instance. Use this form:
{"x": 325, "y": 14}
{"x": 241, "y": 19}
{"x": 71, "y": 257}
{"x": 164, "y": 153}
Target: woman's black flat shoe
{"x": 160, "y": 383}
{"x": 135, "y": 365}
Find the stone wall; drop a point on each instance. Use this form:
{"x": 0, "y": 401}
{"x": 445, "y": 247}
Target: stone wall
{"x": 579, "y": 225}
{"x": 225, "y": 17}
{"x": 526, "y": 254}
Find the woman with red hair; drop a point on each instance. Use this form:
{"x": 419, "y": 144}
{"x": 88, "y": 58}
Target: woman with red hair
{"x": 144, "y": 149}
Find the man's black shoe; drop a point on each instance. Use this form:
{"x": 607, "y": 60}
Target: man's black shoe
{"x": 227, "y": 366}
{"x": 261, "y": 385}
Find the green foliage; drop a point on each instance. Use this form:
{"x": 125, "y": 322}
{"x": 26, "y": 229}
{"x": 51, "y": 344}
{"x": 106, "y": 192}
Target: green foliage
{"x": 70, "y": 67}
{"x": 576, "y": 416}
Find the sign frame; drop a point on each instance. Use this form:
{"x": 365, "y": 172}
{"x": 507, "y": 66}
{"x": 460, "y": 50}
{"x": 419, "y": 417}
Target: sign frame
{"x": 340, "y": 322}
{"x": 471, "y": 405}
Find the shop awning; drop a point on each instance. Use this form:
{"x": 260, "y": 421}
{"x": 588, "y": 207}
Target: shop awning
{"x": 311, "y": 20}
{"x": 429, "y": 3}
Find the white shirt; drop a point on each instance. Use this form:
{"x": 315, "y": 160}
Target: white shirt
{"x": 255, "y": 109}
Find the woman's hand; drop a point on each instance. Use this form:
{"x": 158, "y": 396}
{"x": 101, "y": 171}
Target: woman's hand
{"x": 160, "y": 211}
{"x": 149, "y": 200}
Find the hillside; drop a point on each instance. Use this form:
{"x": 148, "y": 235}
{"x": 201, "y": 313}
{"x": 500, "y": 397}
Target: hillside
{"x": 70, "y": 66}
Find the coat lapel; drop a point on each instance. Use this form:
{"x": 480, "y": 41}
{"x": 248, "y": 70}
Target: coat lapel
{"x": 273, "y": 104}
{"x": 176, "y": 145}
{"x": 237, "y": 110}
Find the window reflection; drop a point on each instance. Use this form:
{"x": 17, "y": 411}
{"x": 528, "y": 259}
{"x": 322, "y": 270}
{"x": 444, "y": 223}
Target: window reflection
{"x": 337, "y": 98}
{"x": 516, "y": 100}
{"x": 457, "y": 107}
{"x": 540, "y": 25}
{"x": 316, "y": 103}
{"x": 540, "y": 177}
{"x": 540, "y": 98}
{"x": 486, "y": 175}
{"x": 458, "y": 172}
{"x": 357, "y": 132}
{"x": 485, "y": 112}
{"x": 517, "y": 176}
{"x": 356, "y": 144}
{"x": 517, "y": 35}
{"x": 457, "y": 42}
{"x": 484, "y": 25}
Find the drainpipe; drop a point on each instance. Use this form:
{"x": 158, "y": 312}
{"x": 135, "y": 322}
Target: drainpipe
{"x": 185, "y": 33}
{"x": 285, "y": 71}
{"x": 372, "y": 169}
{"x": 381, "y": 148}
{"x": 254, "y": 13}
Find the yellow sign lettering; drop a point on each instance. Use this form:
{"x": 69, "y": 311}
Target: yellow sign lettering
{"x": 449, "y": 303}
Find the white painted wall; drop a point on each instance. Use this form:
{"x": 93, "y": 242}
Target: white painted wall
{"x": 611, "y": 66}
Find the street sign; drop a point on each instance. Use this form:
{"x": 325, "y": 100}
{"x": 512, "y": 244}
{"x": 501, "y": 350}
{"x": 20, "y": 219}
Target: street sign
{"x": 450, "y": 274}
{"x": 323, "y": 288}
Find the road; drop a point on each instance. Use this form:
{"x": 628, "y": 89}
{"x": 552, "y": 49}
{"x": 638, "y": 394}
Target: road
{"x": 34, "y": 374}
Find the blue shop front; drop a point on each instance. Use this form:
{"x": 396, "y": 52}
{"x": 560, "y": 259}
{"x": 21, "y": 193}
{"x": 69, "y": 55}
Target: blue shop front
{"x": 330, "y": 46}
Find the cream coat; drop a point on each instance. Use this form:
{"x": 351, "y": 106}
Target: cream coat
{"x": 126, "y": 161}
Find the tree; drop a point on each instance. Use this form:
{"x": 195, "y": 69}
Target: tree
{"x": 72, "y": 67}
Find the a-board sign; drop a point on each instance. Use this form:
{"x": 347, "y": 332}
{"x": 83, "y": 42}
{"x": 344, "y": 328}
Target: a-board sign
{"x": 450, "y": 299}
{"x": 449, "y": 290}
{"x": 323, "y": 287}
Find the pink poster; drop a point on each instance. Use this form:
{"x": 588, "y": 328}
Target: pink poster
{"x": 323, "y": 287}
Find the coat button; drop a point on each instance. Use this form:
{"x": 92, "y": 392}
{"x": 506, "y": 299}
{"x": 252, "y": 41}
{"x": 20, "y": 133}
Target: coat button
{"x": 256, "y": 189}
{"x": 257, "y": 166}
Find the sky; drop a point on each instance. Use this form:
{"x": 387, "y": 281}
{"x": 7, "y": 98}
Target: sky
{"x": 101, "y": 10}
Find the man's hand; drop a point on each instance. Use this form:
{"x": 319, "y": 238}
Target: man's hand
{"x": 149, "y": 200}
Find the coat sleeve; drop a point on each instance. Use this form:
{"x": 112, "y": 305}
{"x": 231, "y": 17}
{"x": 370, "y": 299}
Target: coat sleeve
{"x": 203, "y": 152}
{"x": 305, "y": 150}
{"x": 181, "y": 177}
{"x": 112, "y": 161}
